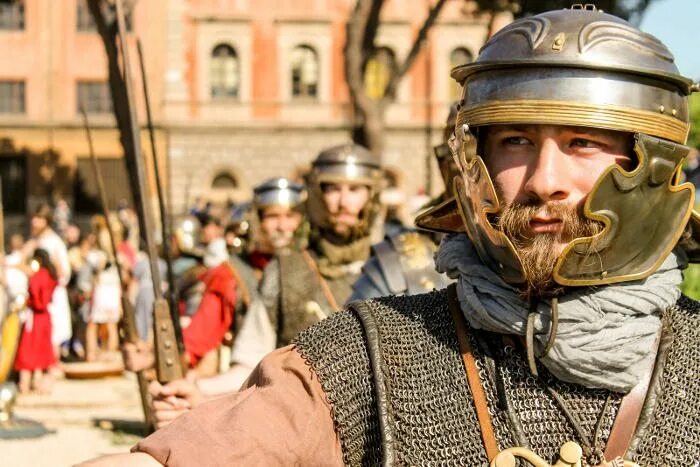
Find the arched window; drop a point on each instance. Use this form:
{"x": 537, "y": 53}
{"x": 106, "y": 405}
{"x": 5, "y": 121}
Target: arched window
{"x": 304, "y": 72}
{"x": 458, "y": 56}
{"x": 379, "y": 69}
{"x": 224, "y": 181}
{"x": 224, "y": 72}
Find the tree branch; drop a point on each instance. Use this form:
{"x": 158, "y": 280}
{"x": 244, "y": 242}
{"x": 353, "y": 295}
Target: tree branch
{"x": 413, "y": 53}
{"x": 355, "y": 54}
{"x": 368, "y": 45}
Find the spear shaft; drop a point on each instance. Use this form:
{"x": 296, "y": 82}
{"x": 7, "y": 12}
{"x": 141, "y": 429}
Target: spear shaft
{"x": 128, "y": 321}
{"x": 167, "y": 340}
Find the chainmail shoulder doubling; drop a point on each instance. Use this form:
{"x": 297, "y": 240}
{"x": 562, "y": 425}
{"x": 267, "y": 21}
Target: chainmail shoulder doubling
{"x": 672, "y": 435}
{"x": 430, "y": 407}
{"x": 335, "y": 349}
{"x": 301, "y": 300}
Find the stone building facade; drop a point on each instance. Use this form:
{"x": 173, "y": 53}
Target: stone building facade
{"x": 53, "y": 59}
{"x": 221, "y": 144}
{"x": 241, "y": 90}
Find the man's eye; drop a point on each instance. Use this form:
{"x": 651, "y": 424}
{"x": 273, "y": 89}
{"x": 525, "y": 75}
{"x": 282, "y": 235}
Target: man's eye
{"x": 516, "y": 140}
{"x": 584, "y": 143}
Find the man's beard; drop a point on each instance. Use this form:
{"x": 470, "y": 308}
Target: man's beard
{"x": 537, "y": 250}
{"x": 342, "y": 231}
{"x": 280, "y": 240}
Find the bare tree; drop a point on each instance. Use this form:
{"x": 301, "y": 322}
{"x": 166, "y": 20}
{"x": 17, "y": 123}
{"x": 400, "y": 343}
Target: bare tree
{"x": 360, "y": 47}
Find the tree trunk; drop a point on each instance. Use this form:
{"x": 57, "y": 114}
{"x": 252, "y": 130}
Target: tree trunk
{"x": 369, "y": 122}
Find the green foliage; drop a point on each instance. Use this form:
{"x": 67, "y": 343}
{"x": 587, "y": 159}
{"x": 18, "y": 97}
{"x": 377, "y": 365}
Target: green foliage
{"x": 694, "y": 138}
{"x": 691, "y": 281}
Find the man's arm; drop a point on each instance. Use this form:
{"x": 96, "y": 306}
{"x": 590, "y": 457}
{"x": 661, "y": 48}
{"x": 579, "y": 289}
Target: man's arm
{"x": 255, "y": 340}
{"x": 281, "y": 417}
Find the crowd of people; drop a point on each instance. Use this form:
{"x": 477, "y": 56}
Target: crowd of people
{"x": 241, "y": 275}
{"x": 296, "y": 256}
{"x": 63, "y": 282}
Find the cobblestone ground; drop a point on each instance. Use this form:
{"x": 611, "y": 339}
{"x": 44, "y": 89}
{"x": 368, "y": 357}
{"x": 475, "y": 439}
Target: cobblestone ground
{"x": 87, "y": 418}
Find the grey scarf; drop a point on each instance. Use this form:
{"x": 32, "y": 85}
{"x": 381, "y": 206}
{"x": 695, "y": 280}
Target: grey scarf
{"x": 604, "y": 333}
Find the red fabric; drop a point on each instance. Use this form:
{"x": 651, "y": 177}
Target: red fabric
{"x": 258, "y": 260}
{"x": 214, "y": 314}
{"x": 125, "y": 250}
{"x": 35, "y": 351}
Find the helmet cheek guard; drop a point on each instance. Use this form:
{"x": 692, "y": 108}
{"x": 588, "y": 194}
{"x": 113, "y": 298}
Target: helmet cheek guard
{"x": 644, "y": 212}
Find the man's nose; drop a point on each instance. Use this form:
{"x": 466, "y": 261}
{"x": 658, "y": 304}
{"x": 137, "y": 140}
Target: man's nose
{"x": 344, "y": 197}
{"x": 548, "y": 175}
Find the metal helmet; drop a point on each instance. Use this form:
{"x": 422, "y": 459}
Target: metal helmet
{"x": 578, "y": 67}
{"x": 278, "y": 192}
{"x": 346, "y": 163}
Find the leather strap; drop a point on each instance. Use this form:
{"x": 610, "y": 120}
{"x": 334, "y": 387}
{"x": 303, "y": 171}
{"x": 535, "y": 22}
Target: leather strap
{"x": 628, "y": 414}
{"x": 322, "y": 282}
{"x": 477, "y": 390}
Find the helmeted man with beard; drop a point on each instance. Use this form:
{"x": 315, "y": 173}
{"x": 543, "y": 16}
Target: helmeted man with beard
{"x": 403, "y": 263}
{"x": 566, "y": 335}
{"x": 305, "y": 286}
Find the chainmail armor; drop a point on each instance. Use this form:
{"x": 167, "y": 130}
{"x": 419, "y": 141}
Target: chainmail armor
{"x": 673, "y": 435}
{"x": 426, "y": 383}
{"x": 431, "y": 408}
{"x": 545, "y": 426}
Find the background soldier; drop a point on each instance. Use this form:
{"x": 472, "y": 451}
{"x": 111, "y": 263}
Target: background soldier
{"x": 230, "y": 283}
{"x": 403, "y": 262}
{"x": 277, "y": 227}
{"x": 304, "y": 286}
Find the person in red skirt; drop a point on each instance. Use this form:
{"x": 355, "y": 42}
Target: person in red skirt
{"x": 35, "y": 352}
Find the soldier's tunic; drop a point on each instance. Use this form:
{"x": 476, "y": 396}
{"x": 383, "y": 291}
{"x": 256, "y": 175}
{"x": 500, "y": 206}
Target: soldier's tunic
{"x": 429, "y": 407}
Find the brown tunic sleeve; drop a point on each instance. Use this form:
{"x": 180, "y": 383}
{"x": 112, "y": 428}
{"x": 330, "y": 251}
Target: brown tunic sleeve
{"x": 280, "y": 417}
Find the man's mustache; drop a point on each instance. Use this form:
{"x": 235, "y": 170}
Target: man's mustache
{"x": 344, "y": 212}
{"x": 516, "y": 217}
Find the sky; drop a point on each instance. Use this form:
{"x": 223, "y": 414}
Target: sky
{"x": 677, "y": 24}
